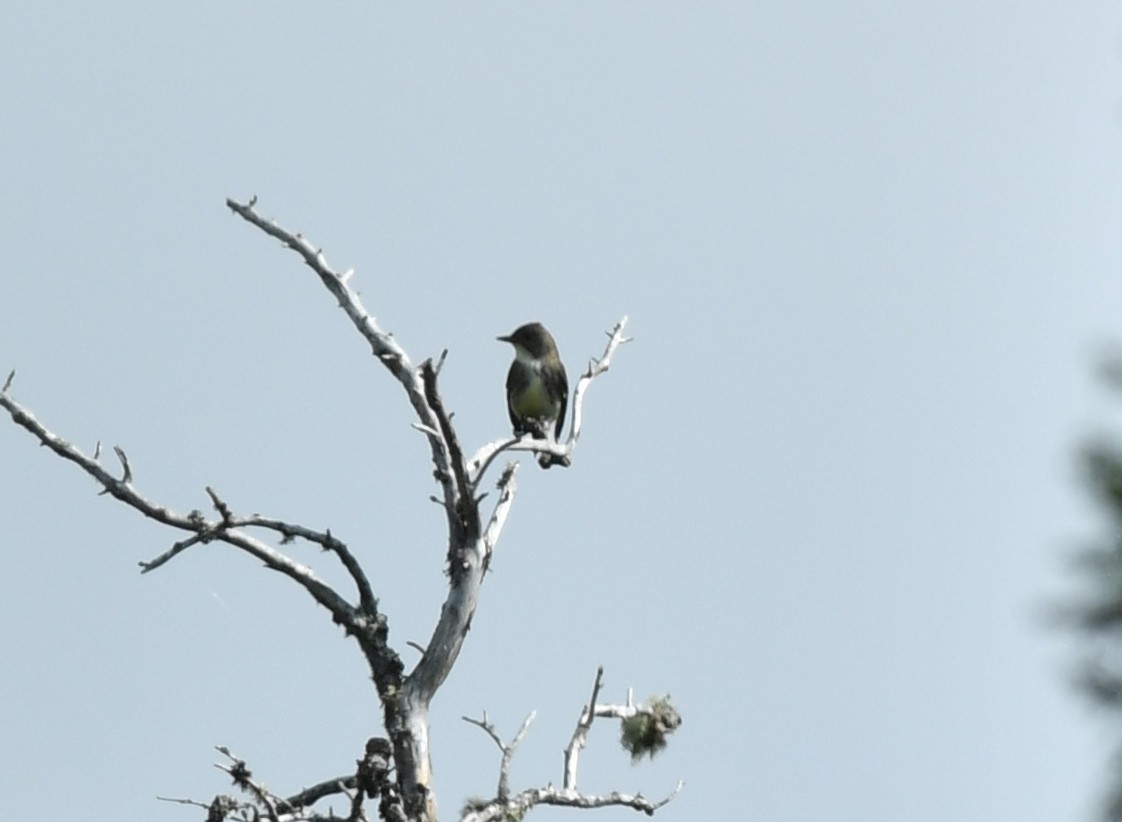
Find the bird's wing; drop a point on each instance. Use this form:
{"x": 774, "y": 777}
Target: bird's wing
{"x": 515, "y": 379}
{"x": 561, "y": 389}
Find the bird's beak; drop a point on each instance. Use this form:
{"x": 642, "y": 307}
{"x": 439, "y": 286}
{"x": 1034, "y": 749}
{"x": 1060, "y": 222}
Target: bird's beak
{"x": 503, "y": 339}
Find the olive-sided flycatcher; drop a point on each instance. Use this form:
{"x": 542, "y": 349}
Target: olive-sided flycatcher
{"x": 537, "y": 390}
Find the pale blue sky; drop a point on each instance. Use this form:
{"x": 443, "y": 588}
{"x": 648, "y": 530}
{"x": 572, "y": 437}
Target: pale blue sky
{"x": 869, "y": 251}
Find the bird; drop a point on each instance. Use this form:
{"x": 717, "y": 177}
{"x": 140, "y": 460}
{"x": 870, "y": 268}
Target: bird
{"x": 537, "y": 389}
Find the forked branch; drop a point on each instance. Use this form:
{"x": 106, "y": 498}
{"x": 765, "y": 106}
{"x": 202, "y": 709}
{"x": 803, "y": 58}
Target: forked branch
{"x": 505, "y": 806}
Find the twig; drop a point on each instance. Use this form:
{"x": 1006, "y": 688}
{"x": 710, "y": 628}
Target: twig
{"x": 595, "y": 368}
{"x": 507, "y": 488}
{"x": 176, "y": 549}
{"x": 508, "y": 750}
{"x": 127, "y": 477}
{"x": 179, "y": 801}
{"x": 580, "y": 734}
{"x": 220, "y": 506}
{"x": 243, "y": 779}
{"x": 487, "y": 454}
{"x": 487, "y": 726}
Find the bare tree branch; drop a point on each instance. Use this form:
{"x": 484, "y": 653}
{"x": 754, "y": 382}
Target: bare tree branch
{"x": 243, "y": 779}
{"x": 314, "y": 793}
{"x": 330, "y": 543}
{"x": 370, "y": 781}
{"x": 181, "y": 801}
{"x": 264, "y": 804}
{"x": 503, "y": 793}
{"x": 580, "y": 734}
{"x": 572, "y": 799}
{"x": 463, "y": 516}
{"x": 382, "y": 344}
{"x": 504, "y": 806}
{"x": 228, "y": 529}
{"x": 508, "y": 488}
{"x": 366, "y": 624}
{"x": 488, "y": 728}
{"x": 483, "y": 458}
{"x": 596, "y": 367}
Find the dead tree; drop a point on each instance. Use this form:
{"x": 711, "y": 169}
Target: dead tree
{"x": 394, "y": 770}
